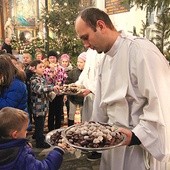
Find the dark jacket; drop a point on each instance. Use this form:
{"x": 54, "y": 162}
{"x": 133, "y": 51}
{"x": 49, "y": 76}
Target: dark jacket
{"x": 7, "y": 47}
{"x": 16, "y": 154}
{"x": 15, "y": 95}
{"x": 73, "y": 76}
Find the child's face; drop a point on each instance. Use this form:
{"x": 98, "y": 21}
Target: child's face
{"x": 26, "y": 59}
{"x": 52, "y": 59}
{"x": 40, "y": 69}
{"x": 22, "y": 133}
{"x": 39, "y": 57}
{"x": 80, "y": 64}
{"x": 65, "y": 63}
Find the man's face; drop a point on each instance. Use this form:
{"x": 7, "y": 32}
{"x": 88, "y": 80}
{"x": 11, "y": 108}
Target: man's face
{"x": 91, "y": 39}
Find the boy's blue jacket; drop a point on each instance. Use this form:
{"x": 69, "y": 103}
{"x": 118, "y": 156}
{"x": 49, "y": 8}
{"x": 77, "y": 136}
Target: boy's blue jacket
{"x": 16, "y": 154}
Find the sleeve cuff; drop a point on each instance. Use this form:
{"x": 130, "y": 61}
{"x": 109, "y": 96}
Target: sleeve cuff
{"x": 59, "y": 150}
{"x": 135, "y": 140}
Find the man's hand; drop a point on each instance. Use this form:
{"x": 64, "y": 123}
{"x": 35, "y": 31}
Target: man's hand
{"x": 85, "y": 92}
{"x": 128, "y": 134}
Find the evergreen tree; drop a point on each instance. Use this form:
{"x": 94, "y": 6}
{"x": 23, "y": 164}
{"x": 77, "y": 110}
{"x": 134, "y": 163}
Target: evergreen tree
{"x": 150, "y": 4}
{"x": 162, "y": 31}
{"x": 60, "y": 21}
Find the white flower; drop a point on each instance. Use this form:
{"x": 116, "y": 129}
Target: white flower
{"x": 65, "y": 4}
{"x": 67, "y": 22}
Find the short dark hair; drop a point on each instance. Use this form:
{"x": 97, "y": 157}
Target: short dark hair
{"x": 34, "y": 63}
{"x": 92, "y": 15}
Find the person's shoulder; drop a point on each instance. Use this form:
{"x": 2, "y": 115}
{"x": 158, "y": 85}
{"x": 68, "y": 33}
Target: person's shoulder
{"x": 59, "y": 68}
{"x": 17, "y": 79}
{"x": 36, "y": 77}
{"x": 18, "y": 84}
{"x": 3, "y": 45}
{"x": 73, "y": 70}
{"x": 134, "y": 39}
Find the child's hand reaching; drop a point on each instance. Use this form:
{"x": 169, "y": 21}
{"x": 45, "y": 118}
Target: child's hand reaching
{"x": 56, "y": 89}
{"x": 64, "y": 147}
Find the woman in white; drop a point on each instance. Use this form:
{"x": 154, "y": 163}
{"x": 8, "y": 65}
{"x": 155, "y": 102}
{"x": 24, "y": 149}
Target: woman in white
{"x": 87, "y": 80}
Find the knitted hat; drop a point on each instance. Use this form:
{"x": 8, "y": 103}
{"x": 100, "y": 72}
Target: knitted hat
{"x": 82, "y": 56}
{"x": 52, "y": 53}
{"x": 65, "y": 57}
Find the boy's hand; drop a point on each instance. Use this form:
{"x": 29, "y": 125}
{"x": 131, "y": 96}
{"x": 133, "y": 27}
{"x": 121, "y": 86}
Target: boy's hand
{"x": 56, "y": 88}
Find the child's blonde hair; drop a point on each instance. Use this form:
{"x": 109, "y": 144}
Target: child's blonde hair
{"x": 11, "y": 119}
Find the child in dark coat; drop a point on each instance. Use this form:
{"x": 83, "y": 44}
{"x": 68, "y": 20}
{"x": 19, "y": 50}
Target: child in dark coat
{"x": 15, "y": 152}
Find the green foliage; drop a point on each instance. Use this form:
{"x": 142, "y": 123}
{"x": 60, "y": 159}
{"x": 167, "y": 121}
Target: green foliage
{"x": 167, "y": 53}
{"x": 150, "y": 4}
{"x": 32, "y": 46}
{"x": 60, "y": 21}
{"x": 143, "y": 30}
{"x": 162, "y": 31}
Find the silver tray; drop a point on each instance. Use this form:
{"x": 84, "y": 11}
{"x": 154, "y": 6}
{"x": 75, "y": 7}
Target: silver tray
{"x": 92, "y": 149}
{"x": 79, "y": 90}
{"x": 49, "y": 134}
{"x": 72, "y": 94}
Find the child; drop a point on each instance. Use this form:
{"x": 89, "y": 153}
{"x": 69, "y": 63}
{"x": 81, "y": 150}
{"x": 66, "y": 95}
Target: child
{"x": 40, "y": 92}
{"x": 66, "y": 64}
{"x": 55, "y": 74}
{"x": 15, "y": 152}
{"x": 27, "y": 58}
{"x": 73, "y": 76}
{"x": 13, "y": 90}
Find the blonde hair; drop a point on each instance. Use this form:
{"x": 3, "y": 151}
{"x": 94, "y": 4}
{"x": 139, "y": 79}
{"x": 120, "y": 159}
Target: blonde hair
{"x": 11, "y": 119}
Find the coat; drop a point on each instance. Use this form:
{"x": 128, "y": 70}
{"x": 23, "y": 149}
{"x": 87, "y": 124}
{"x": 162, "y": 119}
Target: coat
{"x": 40, "y": 90}
{"x": 73, "y": 76}
{"x": 88, "y": 79}
{"x": 14, "y": 96}
{"x": 16, "y": 154}
{"x": 133, "y": 92}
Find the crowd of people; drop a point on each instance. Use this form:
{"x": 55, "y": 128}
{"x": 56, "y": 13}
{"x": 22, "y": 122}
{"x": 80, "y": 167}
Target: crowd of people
{"x": 39, "y": 78}
{"x": 124, "y": 81}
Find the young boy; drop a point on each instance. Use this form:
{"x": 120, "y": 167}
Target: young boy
{"x": 15, "y": 152}
{"x": 40, "y": 92}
